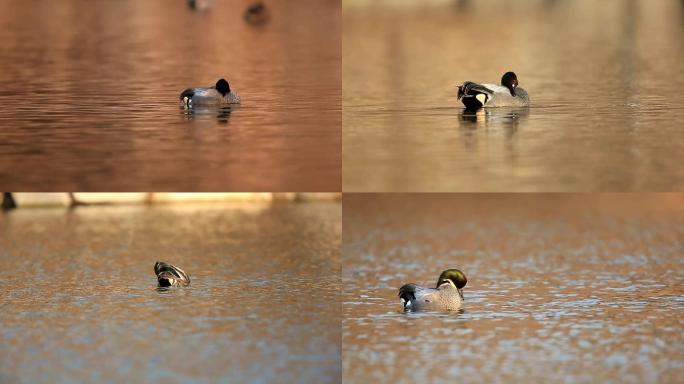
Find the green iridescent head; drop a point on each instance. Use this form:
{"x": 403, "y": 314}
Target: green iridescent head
{"x": 456, "y": 277}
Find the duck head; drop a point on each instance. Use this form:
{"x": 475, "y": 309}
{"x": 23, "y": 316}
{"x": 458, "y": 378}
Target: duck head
{"x": 453, "y": 277}
{"x": 510, "y": 81}
{"x": 223, "y": 87}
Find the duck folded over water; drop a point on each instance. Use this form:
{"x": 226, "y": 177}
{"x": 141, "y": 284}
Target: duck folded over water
{"x": 169, "y": 275}
{"x": 446, "y": 296}
{"x": 508, "y": 94}
{"x": 217, "y": 95}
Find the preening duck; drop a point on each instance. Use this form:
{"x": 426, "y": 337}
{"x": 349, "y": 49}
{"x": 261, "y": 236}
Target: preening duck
{"x": 508, "y": 94}
{"x": 446, "y": 296}
{"x": 169, "y": 275}
{"x": 219, "y": 94}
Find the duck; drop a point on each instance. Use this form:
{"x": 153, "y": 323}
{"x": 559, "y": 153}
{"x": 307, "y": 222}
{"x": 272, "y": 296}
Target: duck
{"x": 169, "y": 275}
{"x": 219, "y": 94}
{"x": 508, "y": 94}
{"x": 200, "y": 5}
{"x": 256, "y": 14}
{"x": 446, "y": 296}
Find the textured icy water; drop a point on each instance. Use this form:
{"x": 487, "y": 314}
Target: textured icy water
{"x": 568, "y": 289}
{"x": 78, "y": 299}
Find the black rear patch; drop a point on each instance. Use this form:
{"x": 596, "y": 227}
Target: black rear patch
{"x": 471, "y": 103}
{"x": 407, "y": 292}
{"x": 468, "y": 92}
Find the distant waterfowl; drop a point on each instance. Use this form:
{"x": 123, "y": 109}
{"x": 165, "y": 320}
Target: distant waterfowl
{"x": 446, "y": 296}
{"x": 508, "y": 94}
{"x": 219, "y": 94}
{"x": 169, "y": 275}
{"x": 257, "y": 13}
{"x": 200, "y": 5}
{"x": 8, "y": 202}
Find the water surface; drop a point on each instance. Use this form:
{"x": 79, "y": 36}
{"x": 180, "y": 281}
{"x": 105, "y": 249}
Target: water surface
{"x": 603, "y": 79}
{"x": 79, "y": 303}
{"x": 574, "y": 289}
{"x": 89, "y": 93}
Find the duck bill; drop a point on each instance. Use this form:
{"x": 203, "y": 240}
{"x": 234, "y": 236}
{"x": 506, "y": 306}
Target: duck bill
{"x": 460, "y": 292}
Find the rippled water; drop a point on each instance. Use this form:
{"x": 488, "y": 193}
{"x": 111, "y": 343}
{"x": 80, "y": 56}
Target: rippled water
{"x": 91, "y": 88}
{"x": 78, "y": 299}
{"x": 580, "y": 288}
{"x": 603, "y": 80}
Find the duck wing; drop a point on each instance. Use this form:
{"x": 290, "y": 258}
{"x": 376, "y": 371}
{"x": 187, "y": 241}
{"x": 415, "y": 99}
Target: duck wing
{"x": 412, "y": 292}
{"x": 200, "y": 92}
{"x": 469, "y": 88}
{"x": 189, "y": 93}
{"x": 164, "y": 270}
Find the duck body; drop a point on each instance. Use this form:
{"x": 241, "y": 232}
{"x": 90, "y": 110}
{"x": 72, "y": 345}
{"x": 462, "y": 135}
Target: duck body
{"x": 257, "y": 13}
{"x": 218, "y": 95}
{"x": 169, "y": 275}
{"x": 508, "y": 94}
{"x": 446, "y": 296}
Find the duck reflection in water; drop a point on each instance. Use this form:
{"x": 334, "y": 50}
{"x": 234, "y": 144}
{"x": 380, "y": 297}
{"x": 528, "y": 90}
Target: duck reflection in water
{"x": 490, "y": 118}
{"x": 504, "y": 120}
{"x": 221, "y": 114}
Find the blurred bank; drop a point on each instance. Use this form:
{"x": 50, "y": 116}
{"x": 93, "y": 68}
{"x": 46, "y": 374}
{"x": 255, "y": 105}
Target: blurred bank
{"x": 63, "y": 199}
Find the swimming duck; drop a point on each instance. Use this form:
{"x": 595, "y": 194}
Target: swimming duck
{"x": 170, "y": 275}
{"x": 257, "y": 13}
{"x": 200, "y": 5}
{"x": 508, "y": 94}
{"x": 446, "y": 296}
{"x": 216, "y": 95}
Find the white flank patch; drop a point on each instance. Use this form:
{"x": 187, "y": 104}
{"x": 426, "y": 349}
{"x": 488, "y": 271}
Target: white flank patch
{"x": 481, "y": 98}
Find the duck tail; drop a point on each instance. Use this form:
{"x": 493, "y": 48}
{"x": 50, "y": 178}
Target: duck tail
{"x": 407, "y": 293}
{"x": 465, "y": 89}
{"x": 474, "y": 95}
{"x": 186, "y": 96}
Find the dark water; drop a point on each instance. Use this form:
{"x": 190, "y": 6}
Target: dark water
{"x": 78, "y": 299}
{"x": 574, "y": 289}
{"x": 604, "y": 79}
{"x": 89, "y": 93}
